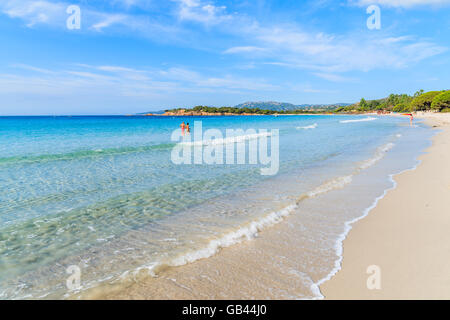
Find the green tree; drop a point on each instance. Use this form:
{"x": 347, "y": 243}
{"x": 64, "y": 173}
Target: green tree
{"x": 401, "y": 107}
{"x": 418, "y": 93}
{"x": 423, "y": 102}
{"x": 363, "y": 104}
{"x": 441, "y": 101}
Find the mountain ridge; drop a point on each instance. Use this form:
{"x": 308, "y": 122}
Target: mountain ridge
{"x": 285, "y": 106}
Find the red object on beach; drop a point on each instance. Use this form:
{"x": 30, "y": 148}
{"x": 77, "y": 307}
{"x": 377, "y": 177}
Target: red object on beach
{"x": 407, "y": 114}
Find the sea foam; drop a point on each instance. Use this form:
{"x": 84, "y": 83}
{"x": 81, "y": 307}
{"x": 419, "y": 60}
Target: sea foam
{"x": 313, "y": 126}
{"x": 233, "y": 139}
{"x": 359, "y": 120}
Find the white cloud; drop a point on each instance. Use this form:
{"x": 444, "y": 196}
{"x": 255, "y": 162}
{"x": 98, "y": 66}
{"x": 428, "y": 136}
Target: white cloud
{"x": 31, "y": 68}
{"x": 231, "y": 82}
{"x": 332, "y": 77}
{"x": 402, "y": 3}
{"x": 197, "y": 11}
{"x": 53, "y": 13}
{"x": 122, "y": 81}
{"x": 34, "y": 12}
{"x": 118, "y": 69}
{"x": 109, "y": 20}
{"x": 246, "y": 49}
{"x": 328, "y": 55}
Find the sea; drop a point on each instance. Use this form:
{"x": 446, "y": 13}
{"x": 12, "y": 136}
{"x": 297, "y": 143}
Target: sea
{"x": 96, "y": 206}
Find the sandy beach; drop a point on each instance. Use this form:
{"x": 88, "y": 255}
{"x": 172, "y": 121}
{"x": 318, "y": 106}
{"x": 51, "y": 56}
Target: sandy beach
{"x": 406, "y": 237}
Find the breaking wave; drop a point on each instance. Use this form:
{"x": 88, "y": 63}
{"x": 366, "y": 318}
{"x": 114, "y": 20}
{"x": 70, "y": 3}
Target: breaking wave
{"x": 359, "y": 120}
{"x": 313, "y": 126}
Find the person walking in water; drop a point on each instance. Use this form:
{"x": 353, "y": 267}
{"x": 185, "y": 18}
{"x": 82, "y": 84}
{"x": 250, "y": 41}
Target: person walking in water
{"x": 183, "y": 127}
{"x": 188, "y": 129}
{"x": 411, "y": 118}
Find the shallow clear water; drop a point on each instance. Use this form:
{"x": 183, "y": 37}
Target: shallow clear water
{"x": 102, "y": 193}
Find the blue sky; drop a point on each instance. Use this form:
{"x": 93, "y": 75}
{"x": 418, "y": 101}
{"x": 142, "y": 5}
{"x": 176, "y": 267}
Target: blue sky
{"x": 133, "y": 56}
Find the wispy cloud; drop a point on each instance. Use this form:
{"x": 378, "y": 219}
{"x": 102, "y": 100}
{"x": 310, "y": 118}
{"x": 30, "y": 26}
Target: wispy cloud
{"x": 291, "y": 47}
{"x": 34, "y": 12}
{"x": 287, "y": 44}
{"x": 197, "y": 11}
{"x": 108, "y": 20}
{"x": 246, "y": 49}
{"x": 333, "y": 77}
{"x": 31, "y": 68}
{"x": 125, "y": 81}
{"x": 53, "y": 13}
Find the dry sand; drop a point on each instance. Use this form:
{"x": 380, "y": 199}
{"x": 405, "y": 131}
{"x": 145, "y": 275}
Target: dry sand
{"x": 407, "y": 235}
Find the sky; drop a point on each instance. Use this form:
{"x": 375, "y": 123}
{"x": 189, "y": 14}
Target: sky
{"x": 132, "y": 56}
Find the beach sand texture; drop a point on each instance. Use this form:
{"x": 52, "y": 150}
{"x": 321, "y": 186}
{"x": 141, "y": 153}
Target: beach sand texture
{"x": 407, "y": 235}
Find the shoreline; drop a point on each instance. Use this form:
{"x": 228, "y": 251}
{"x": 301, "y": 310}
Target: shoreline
{"x": 398, "y": 237}
{"x": 179, "y": 282}
{"x": 277, "y": 243}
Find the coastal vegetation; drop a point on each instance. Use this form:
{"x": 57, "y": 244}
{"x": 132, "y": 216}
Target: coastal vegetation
{"x": 199, "y": 110}
{"x": 441, "y": 102}
{"x": 436, "y": 101}
{"x": 420, "y": 101}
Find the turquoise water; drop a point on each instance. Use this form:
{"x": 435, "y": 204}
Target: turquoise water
{"x": 102, "y": 192}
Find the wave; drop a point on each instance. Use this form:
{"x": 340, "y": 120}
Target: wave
{"x": 359, "y": 120}
{"x": 379, "y": 154}
{"x": 251, "y": 230}
{"x": 337, "y": 183}
{"x": 340, "y": 182}
{"x": 339, "y": 248}
{"x": 313, "y": 126}
{"x": 246, "y": 232}
{"x": 83, "y": 154}
{"x": 234, "y": 139}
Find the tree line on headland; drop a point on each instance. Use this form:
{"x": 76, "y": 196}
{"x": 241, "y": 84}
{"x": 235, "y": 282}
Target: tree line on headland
{"x": 437, "y": 101}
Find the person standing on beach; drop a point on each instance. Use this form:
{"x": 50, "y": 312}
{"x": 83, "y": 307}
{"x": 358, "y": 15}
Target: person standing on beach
{"x": 411, "y": 118}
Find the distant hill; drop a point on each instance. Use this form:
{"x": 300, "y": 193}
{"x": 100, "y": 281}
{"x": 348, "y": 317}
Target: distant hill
{"x": 284, "y": 106}
{"x": 270, "y": 105}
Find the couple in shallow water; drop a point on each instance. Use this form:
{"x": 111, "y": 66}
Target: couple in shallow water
{"x": 185, "y": 127}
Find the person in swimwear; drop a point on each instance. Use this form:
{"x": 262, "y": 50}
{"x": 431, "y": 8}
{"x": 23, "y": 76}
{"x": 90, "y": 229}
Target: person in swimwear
{"x": 411, "y": 118}
{"x": 182, "y": 126}
{"x": 187, "y": 128}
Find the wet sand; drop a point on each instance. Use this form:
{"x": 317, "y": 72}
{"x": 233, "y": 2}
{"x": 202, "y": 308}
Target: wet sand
{"x": 406, "y": 236}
